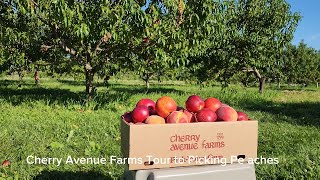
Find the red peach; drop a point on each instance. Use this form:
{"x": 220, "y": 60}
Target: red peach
{"x": 147, "y": 102}
{"x": 194, "y": 103}
{"x": 242, "y": 116}
{"x": 190, "y": 115}
{"x": 212, "y": 103}
{"x": 140, "y": 113}
{"x": 206, "y": 115}
{"x": 227, "y": 113}
{"x": 165, "y": 105}
{"x": 127, "y": 117}
{"x": 178, "y": 117}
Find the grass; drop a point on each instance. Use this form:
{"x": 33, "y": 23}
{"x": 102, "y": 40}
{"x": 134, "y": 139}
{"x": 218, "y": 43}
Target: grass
{"x": 53, "y": 120}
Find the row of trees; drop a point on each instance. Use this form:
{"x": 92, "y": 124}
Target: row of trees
{"x": 207, "y": 40}
{"x": 300, "y": 65}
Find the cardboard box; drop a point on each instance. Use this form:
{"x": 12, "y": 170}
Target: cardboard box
{"x": 171, "y": 145}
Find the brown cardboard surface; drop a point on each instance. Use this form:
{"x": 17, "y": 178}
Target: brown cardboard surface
{"x": 188, "y": 141}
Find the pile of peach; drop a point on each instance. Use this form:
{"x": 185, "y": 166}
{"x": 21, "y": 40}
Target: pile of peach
{"x": 165, "y": 110}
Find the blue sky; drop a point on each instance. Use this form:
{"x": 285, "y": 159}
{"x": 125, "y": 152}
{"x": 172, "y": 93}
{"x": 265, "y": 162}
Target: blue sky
{"x": 309, "y": 26}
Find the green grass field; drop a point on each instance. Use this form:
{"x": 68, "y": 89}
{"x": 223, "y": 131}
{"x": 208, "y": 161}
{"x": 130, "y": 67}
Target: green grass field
{"x": 53, "y": 120}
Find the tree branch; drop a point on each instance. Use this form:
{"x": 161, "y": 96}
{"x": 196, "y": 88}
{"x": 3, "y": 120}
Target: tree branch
{"x": 254, "y": 71}
{"x": 45, "y": 48}
{"x": 104, "y": 39}
{"x": 62, "y": 44}
{"x": 67, "y": 49}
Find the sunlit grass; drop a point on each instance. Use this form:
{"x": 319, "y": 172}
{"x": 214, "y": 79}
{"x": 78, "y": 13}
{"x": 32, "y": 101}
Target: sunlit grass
{"x": 54, "y": 120}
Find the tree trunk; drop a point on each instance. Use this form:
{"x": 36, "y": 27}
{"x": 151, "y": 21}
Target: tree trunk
{"x": 106, "y": 80}
{"x": 89, "y": 83}
{"x": 317, "y": 84}
{"x": 20, "y": 78}
{"x": 20, "y": 75}
{"x": 37, "y": 77}
{"x": 262, "y": 81}
{"x": 147, "y": 84}
{"x": 279, "y": 85}
{"x": 146, "y": 78}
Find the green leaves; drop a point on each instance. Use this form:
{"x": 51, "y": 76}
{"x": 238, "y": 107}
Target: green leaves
{"x": 245, "y": 34}
{"x": 301, "y": 64}
{"x": 217, "y": 37}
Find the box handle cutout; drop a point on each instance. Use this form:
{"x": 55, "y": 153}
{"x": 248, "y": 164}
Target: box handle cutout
{"x": 241, "y": 156}
{"x": 148, "y": 163}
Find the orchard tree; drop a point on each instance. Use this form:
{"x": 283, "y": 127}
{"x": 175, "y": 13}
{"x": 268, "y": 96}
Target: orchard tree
{"x": 97, "y": 35}
{"x": 175, "y": 30}
{"x": 91, "y": 33}
{"x": 316, "y": 71}
{"x": 301, "y": 64}
{"x": 167, "y": 36}
{"x": 19, "y": 47}
{"x": 267, "y": 28}
{"x": 14, "y": 55}
{"x": 254, "y": 35}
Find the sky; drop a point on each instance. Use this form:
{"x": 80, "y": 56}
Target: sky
{"x": 309, "y": 26}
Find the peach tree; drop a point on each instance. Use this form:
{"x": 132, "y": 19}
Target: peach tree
{"x": 92, "y": 34}
{"x": 96, "y": 35}
{"x": 174, "y": 30}
{"x": 301, "y": 65}
{"x": 18, "y": 49}
{"x": 254, "y": 36}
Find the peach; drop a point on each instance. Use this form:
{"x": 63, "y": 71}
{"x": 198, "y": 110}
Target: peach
{"x": 194, "y": 104}
{"x": 140, "y": 113}
{"x": 227, "y": 113}
{"x": 147, "y": 102}
{"x": 190, "y": 115}
{"x": 127, "y": 117}
{"x": 206, "y": 115}
{"x": 154, "y": 119}
{"x": 212, "y": 103}
{"x": 178, "y": 117}
{"x": 165, "y": 105}
{"x": 242, "y": 116}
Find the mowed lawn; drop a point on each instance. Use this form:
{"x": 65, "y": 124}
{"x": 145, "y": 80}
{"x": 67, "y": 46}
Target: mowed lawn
{"x": 53, "y": 120}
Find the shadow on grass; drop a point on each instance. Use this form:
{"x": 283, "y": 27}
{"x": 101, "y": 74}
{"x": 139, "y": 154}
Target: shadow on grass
{"x": 302, "y": 113}
{"x": 115, "y": 92}
{"x": 51, "y": 95}
{"x": 139, "y": 89}
{"x": 6, "y": 82}
{"x": 72, "y": 82}
{"x": 102, "y": 84}
{"x": 286, "y": 88}
{"x": 79, "y": 83}
{"x": 58, "y": 175}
